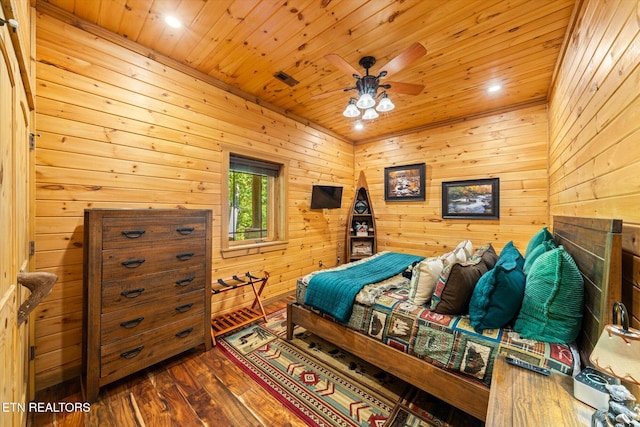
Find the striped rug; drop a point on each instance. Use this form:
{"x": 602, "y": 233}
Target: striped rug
{"x": 322, "y": 384}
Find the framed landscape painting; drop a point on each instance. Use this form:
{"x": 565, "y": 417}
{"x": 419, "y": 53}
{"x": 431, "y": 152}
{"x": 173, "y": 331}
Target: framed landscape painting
{"x": 404, "y": 182}
{"x": 478, "y": 199}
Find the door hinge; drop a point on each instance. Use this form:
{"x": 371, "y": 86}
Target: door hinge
{"x": 32, "y": 141}
{"x": 32, "y": 352}
{"x": 32, "y": 247}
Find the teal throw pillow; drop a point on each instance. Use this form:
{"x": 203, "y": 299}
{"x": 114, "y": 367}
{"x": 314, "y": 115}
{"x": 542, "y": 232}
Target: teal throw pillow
{"x": 541, "y": 236}
{"x": 498, "y": 294}
{"x": 543, "y": 247}
{"x": 510, "y": 251}
{"x": 553, "y": 299}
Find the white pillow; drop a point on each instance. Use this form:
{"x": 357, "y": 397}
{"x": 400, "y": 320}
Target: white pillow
{"x": 461, "y": 255}
{"x": 467, "y": 246}
{"x": 423, "y": 280}
{"x": 449, "y": 258}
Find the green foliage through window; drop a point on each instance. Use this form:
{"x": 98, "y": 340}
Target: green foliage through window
{"x": 248, "y": 206}
{"x": 254, "y": 203}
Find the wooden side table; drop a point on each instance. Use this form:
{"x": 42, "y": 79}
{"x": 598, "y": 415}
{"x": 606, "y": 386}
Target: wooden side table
{"x": 523, "y": 398}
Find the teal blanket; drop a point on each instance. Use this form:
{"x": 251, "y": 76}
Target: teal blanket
{"x": 333, "y": 292}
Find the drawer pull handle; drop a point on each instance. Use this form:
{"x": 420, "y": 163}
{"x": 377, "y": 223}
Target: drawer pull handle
{"x": 184, "y": 308}
{"x": 131, "y": 353}
{"x": 185, "y": 282}
{"x": 132, "y": 323}
{"x": 133, "y": 234}
{"x": 133, "y": 293}
{"x": 185, "y": 230}
{"x": 185, "y": 333}
{"x": 133, "y": 263}
{"x": 185, "y": 256}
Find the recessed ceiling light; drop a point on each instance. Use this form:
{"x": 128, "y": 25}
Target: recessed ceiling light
{"x": 359, "y": 126}
{"x": 172, "y": 21}
{"x": 494, "y": 88}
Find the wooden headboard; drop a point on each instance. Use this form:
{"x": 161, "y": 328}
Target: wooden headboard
{"x": 596, "y": 246}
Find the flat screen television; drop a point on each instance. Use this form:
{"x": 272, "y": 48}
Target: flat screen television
{"x": 326, "y": 197}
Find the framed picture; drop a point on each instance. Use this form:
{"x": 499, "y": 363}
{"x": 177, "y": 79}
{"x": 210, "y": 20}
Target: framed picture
{"x": 361, "y": 247}
{"x": 404, "y": 182}
{"x": 478, "y": 198}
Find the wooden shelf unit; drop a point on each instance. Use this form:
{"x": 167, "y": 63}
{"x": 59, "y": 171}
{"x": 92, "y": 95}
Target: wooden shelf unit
{"x": 361, "y": 243}
{"x": 223, "y": 323}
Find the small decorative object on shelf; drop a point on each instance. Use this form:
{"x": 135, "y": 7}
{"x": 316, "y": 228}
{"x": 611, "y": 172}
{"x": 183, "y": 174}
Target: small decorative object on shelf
{"x": 360, "y": 248}
{"x": 361, "y": 237}
{"x": 361, "y": 206}
{"x": 362, "y": 228}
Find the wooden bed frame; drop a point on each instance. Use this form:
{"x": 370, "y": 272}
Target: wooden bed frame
{"x": 595, "y": 245}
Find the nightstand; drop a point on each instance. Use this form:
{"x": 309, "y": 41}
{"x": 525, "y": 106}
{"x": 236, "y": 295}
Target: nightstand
{"x": 519, "y": 397}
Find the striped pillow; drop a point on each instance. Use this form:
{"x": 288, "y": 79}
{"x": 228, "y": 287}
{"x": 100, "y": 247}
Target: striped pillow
{"x": 553, "y": 299}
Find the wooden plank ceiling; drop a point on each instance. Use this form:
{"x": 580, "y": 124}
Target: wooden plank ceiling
{"x": 470, "y": 45}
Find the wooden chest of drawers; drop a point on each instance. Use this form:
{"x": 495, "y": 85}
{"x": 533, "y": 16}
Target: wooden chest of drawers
{"x": 147, "y": 289}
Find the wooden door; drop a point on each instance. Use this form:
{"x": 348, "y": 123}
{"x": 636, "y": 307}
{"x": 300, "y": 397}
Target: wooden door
{"x": 16, "y": 215}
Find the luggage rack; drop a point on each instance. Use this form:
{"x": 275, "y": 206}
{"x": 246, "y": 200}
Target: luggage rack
{"x": 224, "y": 323}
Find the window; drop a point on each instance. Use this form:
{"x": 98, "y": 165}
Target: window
{"x": 253, "y": 204}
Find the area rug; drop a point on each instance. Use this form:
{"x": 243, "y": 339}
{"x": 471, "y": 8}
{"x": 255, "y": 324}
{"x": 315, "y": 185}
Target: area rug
{"x": 322, "y": 384}
{"x": 320, "y": 393}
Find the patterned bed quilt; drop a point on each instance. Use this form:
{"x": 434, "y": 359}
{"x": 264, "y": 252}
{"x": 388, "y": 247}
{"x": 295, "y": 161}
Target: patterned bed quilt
{"x": 383, "y": 312}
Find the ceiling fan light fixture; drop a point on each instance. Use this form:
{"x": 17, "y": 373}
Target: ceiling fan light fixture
{"x": 385, "y": 104}
{"x": 351, "y": 110}
{"x": 370, "y": 90}
{"x": 370, "y": 114}
{"x": 365, "y": 101}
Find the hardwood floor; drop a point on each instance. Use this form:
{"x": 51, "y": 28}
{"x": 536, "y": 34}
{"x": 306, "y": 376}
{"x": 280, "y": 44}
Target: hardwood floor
{"x": 193, "y": 389}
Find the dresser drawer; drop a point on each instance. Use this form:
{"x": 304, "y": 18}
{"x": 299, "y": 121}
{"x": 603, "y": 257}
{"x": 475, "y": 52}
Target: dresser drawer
{"x": 123, "y": 357}
{"x": 123, "y": 232}
{"x": 120, "y": 324}
{"x": 130, "y": 292}
{"x": 131, "y": 262}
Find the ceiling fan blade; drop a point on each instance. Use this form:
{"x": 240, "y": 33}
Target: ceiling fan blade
{"x": 405, "y": 58}
{"x": 341, "y": 64}
{"x": 405, "y": 88}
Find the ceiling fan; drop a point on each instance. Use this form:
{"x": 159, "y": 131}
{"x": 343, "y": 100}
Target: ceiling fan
{"x": 368, "y": 85}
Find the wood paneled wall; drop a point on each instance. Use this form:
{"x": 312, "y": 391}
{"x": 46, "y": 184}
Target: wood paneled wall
{"x": 594, "y": 122}
{"x": 16, "y": 210}
{"x": 120, "y": 130}
{"x": 511, "y": 146}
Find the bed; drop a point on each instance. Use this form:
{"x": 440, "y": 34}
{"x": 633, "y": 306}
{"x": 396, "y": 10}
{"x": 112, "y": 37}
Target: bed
{"x": 594, "y": 245}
